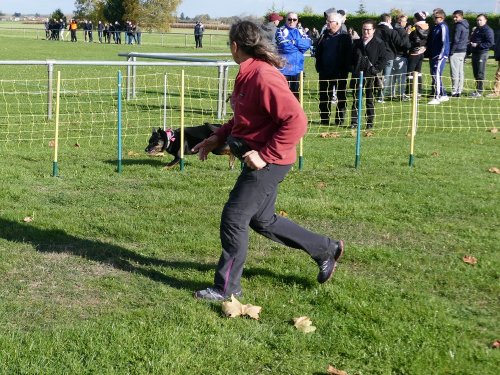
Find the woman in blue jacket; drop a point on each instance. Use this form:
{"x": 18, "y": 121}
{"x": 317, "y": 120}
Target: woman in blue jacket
{"x": 292, "y": 44}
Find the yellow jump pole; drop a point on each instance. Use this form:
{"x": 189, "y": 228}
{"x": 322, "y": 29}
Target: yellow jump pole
{"x": 55, "y": 167}
{"x": 301, "y": 142}
{"x": 182, "y": 121}
{"x": 414, "y": 112}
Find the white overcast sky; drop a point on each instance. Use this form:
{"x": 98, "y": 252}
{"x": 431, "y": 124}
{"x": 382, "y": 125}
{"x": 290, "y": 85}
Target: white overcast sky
{"x": 223, "y": 8}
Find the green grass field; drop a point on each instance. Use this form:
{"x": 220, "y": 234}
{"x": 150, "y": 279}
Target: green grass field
{"x": 101, "y": 280}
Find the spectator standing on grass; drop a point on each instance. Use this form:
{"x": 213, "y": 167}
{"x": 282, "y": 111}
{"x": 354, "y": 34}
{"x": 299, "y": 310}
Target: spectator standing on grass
{"x": 118, "y": 33}
{"x": 199, "y": 29}
{"x": 85, "y": 30}
{"x": 100, "y": 31}
{"x": 369, "y": 55}
{"x": 333, "y": 61}
{"x": 292, "y": 44}
{"x": 73, "y": 26}
{"x": 47, "y": 29}
{"x": 90, "y": 28}
{"x": 458, "y": 51}
{"x": 393, "y": 41}
{"x": 439, "y": 50}
{"x": 400, "y": 65}
{"x": 138, "y": 33}
{"x": 269, "y": 28}
{"x": 62, "y": 28}
{"x": 419, "y": 33}
{"x": 481, "y": 40}
{"x": 270, "y": 122}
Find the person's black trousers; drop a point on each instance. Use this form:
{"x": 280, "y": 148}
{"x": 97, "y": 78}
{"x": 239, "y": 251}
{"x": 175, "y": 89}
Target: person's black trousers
{"x": 329, "y": 87}
{"x": 479, "y": 60}
{"x": 251, "y": 204}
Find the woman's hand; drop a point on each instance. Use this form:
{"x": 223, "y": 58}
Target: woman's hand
{"x": 253, "y": 160}
{"x": 206, "y": 146}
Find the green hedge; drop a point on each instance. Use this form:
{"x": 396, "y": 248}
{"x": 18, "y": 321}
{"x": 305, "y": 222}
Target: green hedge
{"x": 355, "y": 21}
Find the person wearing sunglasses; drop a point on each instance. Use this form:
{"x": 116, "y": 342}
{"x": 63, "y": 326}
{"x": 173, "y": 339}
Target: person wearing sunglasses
{"x": 292, "y": 44}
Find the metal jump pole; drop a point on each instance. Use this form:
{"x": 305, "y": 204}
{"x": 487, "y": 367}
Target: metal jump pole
{"x": 358, "y": 129}
{"x": 119, "y": 161}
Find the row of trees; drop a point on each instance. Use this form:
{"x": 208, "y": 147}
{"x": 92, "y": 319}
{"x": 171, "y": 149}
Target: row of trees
{"x": 150, "y": 14}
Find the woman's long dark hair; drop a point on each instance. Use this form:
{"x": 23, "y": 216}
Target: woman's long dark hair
{"x": 248, "y": 36}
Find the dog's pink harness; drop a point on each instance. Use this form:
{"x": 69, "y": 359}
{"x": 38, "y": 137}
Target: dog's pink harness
{"x": 170, "y": 135}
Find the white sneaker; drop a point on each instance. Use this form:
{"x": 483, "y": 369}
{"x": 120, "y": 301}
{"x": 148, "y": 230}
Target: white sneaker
{"x": 444, "y": 98}
{"x": 434, "y": 101}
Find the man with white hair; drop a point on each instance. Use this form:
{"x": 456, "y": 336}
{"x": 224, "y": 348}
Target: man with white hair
{"x": 333, "y": 54}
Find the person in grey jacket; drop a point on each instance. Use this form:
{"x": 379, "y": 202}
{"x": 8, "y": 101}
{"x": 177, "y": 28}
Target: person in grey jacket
{"x": 458, "y": 51}
{"x": 481, "y": 40}
{"x": 269, "y": 28}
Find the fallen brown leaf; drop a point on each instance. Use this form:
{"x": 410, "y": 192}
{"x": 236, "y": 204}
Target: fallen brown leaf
{"x": 52, "y": 143}
{"x": 495, "y": 344}
{"x": 235, "y": 308}
{"x": 133, "y": 153}
{"x": 77, "y": 145}
{"x": 321, "y": 185}
{"x": 469, "y": 259}
{"x": 333, "y": 371}
{"x": 494, "y": 170}
{"x": 493, "y": 130}
{"x": 28, "y": 219}
{"x": 330, "y": 135}
{"x": 435, "y": 153}
{"x": 304, "y": 324}
{"x": 283, "y": 213}
{"x": 369, "y": 133}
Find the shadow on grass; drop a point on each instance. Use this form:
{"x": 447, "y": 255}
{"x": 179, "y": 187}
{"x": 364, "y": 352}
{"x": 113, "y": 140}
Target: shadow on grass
{"x": 58, "y": 241}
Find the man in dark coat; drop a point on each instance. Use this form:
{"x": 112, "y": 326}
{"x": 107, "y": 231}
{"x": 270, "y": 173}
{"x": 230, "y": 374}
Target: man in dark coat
{"x": 369, "y": 55}
{"x": 333, "y": 60}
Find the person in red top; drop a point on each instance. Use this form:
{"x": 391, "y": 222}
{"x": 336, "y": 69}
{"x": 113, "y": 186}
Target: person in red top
{"x": 267, "y": 124}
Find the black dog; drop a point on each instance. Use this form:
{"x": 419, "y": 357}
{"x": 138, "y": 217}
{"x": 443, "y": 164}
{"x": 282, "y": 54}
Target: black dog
{"x": 170, "y": 141}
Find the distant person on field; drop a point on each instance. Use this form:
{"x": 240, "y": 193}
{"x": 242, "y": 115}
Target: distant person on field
{"x": 90, "y": 28}
{"x": 439, "y": 51}
{"x": 292, "y": 44}
{"x": 269, "y": 28}
{"x": 73, "y": 26}
{"x": 100, "y": 31}
{"x": 481, "y": 40}
{"x": 369, "y": 55}
{"x": 138, "y": 34}
{"x": 333, "y": 62}
{"x": 199, "y": 29}
{"x": 458, "y": 51}
{"x": 118, "y": 32}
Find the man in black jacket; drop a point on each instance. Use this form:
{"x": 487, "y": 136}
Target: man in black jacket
{"x": 333, "y": 61}
{"x": 369, "y": 55}
{"x": 481, "y": 40}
